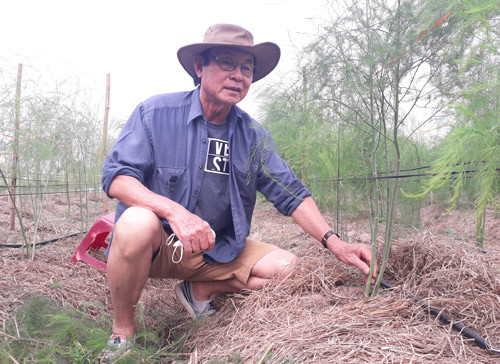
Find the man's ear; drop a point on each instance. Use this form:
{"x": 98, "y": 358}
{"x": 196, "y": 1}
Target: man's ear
{"x": 198, "y": 65}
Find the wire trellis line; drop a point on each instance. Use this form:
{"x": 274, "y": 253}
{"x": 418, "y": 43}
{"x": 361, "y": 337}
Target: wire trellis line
{"x": 51, "y": 192}
{"x": 392, "y": 177}
{"x": 53, "y": 186}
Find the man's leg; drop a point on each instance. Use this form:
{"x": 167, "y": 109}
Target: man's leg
{"x": 274, "y": 266}
{"x": 136, "y": 236}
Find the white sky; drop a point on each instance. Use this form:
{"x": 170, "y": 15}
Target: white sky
{"x": 137, "y": 41}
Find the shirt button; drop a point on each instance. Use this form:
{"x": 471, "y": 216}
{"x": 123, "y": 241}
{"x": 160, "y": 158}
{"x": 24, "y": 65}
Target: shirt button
{"x": 196, "y": 192}
{"x": 200, "y": 166}
{"x": 171, "y": 190}
{"x": 204, "y": 140}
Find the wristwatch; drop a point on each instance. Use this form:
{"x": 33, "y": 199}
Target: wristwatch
{"x": 327, "y": 235}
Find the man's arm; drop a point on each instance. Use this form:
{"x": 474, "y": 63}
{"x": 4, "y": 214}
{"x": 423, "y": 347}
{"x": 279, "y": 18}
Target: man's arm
{"x": 308, "y": 216}
{"x": 192, "y": 231}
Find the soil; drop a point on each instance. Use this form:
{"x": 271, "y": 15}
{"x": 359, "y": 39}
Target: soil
{"x": 318, "y": 315}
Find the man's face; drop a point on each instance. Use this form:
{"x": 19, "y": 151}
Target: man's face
{"x": 219, "y": 84}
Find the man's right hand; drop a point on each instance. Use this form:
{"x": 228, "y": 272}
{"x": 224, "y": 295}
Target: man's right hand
{"x": 193, "y": 232}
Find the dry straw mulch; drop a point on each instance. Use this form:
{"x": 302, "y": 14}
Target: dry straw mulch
{"x": 317, "y": 315}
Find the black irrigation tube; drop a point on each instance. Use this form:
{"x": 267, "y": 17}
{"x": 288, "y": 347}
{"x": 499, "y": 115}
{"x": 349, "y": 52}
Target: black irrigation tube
{"x": 480, "y": 341}
{"x": 41, "y": 242}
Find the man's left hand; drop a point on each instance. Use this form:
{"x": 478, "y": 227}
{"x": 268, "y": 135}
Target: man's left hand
{"x": 358, "y": 255}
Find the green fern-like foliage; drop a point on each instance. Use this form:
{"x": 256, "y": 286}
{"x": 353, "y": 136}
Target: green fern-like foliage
{"x": 472, "y": 152}
{"x": 51, "y": 333}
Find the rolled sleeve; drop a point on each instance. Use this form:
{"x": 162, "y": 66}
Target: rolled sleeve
{"x": 132, "y": 154}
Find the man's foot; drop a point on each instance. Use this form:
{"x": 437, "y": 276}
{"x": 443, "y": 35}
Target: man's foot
{"x": 115, "y": 349}
{"x": 198, "y": 310}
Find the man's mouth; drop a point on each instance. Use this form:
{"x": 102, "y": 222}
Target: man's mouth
{"x": 235, "y": 89}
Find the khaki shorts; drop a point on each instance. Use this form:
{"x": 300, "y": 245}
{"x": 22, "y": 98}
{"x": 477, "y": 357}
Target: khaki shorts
{"x": 194, "y": 268}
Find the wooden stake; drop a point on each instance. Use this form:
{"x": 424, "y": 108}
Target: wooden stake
{"x": 104, "y": 139}
{"x": 15, "y": 149}
{"x": 305, "y": 115}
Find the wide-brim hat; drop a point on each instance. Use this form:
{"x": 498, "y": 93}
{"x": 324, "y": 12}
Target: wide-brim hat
{"x": 266, "y": 54}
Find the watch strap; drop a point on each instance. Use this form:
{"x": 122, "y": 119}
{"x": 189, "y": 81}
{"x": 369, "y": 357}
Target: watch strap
{"x": 327, "y": 235}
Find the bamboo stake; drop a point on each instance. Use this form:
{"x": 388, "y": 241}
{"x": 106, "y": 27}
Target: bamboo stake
{"x": 337, "y": 226}
{"x": 304, "y": 113}
{"x": 104, "y": 139}
{"x": 18, "y": 216}
{"x": 15, "y": 148}
{"x": 68, "y": 196}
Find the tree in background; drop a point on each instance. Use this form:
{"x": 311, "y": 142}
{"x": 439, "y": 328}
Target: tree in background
{"x": 470, "y": 153}
{"x": 377, "y": 72}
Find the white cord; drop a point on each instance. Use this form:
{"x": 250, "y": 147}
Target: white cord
{"x": 178, "y": 244}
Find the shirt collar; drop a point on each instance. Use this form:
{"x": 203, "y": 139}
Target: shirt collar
{"x": 234, "y": 114}
{"x": 196, "y": 111}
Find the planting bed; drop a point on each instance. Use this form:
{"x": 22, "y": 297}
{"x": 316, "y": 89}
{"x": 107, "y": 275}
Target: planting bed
{"x": 318, "y": 315}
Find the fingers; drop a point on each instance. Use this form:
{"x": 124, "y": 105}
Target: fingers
{"x": 195, "y": 235}
{"x": 361, "y": 265}
{"x": 207, "y": 238}
{"x": 366, "y": 256}
{"x": 361, "y": 257}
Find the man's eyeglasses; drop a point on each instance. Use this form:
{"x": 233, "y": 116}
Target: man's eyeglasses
{"x": 247, "y": 69}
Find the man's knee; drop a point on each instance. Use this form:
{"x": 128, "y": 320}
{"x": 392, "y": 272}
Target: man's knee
{"x": 277, "y": 264}
{"x": 287, "y": 262}
{"x": 137, "y": 230}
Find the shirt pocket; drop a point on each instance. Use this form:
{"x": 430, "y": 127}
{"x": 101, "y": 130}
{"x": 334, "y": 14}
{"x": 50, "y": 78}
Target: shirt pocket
{"x": 174, "y": 183}
{"x": 246, "y": 181}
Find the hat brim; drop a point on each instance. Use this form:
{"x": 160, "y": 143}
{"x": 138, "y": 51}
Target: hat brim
{"x": 267, "y": 56}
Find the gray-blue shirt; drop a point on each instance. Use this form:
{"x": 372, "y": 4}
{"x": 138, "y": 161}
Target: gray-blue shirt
{"x": 164, "y": 145}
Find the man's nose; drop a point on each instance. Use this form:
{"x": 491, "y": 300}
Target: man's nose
{"x": 236, "y": 73}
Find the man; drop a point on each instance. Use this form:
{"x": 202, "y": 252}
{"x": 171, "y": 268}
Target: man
{"x": 186, "y": 168}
